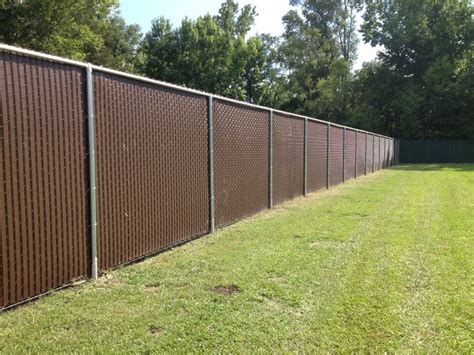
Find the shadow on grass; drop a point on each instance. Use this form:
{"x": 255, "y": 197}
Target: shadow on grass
{"x": 435, "y": 167}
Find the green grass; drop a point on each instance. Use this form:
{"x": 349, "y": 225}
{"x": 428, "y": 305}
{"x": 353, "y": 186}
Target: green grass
{"x": 382, "y": 263}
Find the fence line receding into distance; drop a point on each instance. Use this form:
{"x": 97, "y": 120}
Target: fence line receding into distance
{"x": 101, "y": 168}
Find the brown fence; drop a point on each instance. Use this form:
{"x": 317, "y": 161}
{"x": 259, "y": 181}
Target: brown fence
{"x": 349, "y": 154}
{"x": 317, "y": 155}
{"x": 167, "y": 162}
{"x": 288, "y": 158}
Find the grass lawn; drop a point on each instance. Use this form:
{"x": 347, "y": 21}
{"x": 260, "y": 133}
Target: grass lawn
{"x": 382, "y": 263}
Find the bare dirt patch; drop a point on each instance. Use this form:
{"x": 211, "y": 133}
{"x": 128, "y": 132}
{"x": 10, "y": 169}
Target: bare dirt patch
{"x": 152, "y": 329}
{"x": 226, "y": 290}
{"x": 153, "y": 286}
{"x": 108, "y": 279}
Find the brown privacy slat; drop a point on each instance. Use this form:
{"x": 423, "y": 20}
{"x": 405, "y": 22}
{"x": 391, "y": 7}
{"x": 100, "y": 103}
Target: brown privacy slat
{"x": 43, "y": 193}
{"x": 387, "y": 153}
{"x": 317, "y": 155}
{"x": 360, "y": 170}
{"x": 336, "y": 155}
{"x": 240, "y": 161}
{"x": 370, "y": 154}
{"x": 288, "y": 158}
{"x": 152, "y": 168}
{"x": 42, "y": 206}
{"x": 376, "y": 153}
{"x": 392, "y": 152}
{"x": 3, "y": 225}
{"x": 381, "y": 157}
{"x": 35, "y": 279}
{"x": 383, "y": 152}
{"x": 350, "y": 154}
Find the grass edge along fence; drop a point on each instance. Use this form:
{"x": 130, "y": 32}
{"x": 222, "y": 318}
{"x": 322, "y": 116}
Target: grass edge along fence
{"x": 102, "y": 168}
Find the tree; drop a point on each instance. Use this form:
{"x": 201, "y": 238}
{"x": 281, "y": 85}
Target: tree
{"x": 90, "y": 30}
{"x": 319, "y": 46}
{"x": 212, "y": 54}
{"x": 265, "y": 83}
{"x": 427, "y": 61}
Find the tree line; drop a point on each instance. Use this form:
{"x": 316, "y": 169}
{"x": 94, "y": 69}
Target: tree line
{"x": 420, "y": 86}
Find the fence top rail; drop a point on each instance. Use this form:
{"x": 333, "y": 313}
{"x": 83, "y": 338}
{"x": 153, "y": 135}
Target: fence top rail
{"x": 53, "y": 58}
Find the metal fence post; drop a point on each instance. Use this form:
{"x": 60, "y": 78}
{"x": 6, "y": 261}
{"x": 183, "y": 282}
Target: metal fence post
{"x": 344, "y": 154}
{"x": 328, "y": 155}
{"x": 92, "y": 170}
{"x": 211, "y": 163}
{"x": 305, "y": 159}
{"x": 270, "y": 159}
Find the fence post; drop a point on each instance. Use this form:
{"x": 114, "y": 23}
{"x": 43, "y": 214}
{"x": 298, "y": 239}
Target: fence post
{"x": 344, "y": 154}
{"x": 270, "y": 159}
{"x": 328, "y": 154}
{"x": 211, "y": 163}
{"x": 92, "y": 171}
{"x": 305, "y": 160}
{"x": 355, "y": 156}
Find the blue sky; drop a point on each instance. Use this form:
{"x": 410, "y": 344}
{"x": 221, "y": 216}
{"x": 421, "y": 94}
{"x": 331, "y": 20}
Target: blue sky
{"x": 268, "y": 20}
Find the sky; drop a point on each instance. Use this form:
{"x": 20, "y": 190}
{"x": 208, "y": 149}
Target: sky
{"x": 268, "y": 20}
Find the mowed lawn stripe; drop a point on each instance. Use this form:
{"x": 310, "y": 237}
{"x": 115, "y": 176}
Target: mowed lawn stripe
{"x": 381, "y": 263}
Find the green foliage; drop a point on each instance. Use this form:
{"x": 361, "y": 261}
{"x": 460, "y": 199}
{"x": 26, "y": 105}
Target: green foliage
{"x": 319, "y": 46}
{"x": 334, "y": 92}
{"x": 90, "y": 30}
{"x": 424, "y": 84}
{"x": 421, "y": 85}
{"x": 213, "y": 54}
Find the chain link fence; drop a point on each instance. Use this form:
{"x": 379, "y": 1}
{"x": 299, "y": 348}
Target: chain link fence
{"x": 101, "y": 168}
